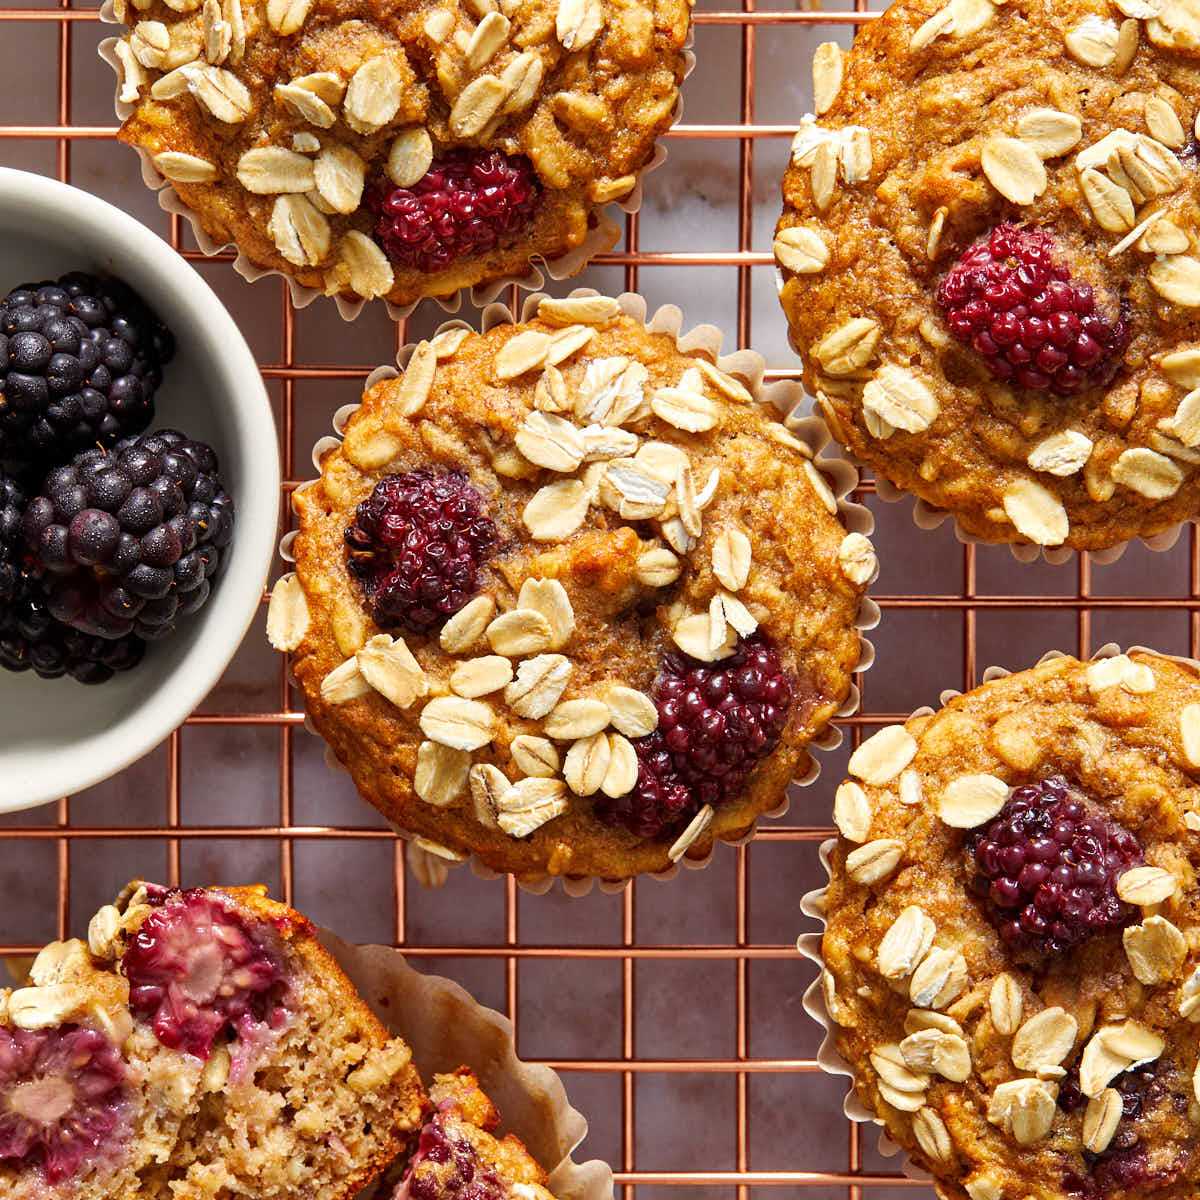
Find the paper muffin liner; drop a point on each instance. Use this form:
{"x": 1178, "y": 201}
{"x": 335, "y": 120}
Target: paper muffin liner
{"x": 447, "y": 1028}
{"x": 600, "y": 237}
{"x": 430, "y": 863}
{"x": 926, "y": 516}
{"x": 814, "y": 905}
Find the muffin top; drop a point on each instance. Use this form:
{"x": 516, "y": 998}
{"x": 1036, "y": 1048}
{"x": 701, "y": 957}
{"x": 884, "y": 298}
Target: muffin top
{"x": 1012, "y": 947}
{"x": 401, "y": 150}
{"x": 988, "y": 258}
{"x": 570, "y": 598}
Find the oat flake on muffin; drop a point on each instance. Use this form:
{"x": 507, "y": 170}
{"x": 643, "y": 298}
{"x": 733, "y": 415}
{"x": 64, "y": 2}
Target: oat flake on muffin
{"x": 1011, "y": 963}
{"x": 405, "y": 151}
{"x": 569, "y": 598}
{"x": 989, "y": 260}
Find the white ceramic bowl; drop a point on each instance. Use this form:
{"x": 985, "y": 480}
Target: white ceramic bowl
{"x": 58, "y": 736}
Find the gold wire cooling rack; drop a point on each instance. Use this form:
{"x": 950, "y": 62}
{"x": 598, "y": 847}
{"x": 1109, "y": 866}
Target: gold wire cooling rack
{"x": 672, "y": 1010}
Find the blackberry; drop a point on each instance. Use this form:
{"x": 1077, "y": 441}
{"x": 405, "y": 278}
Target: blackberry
{"x": 464, "y": 204}
{"x": 1046, "y": 869}
{"x": 1016, "y": 305}
{"x": 31, "y": 639}
{"x": 62, "y": 1099}
{"x": 1141, "y": 1088}
{"x": 196, "y": 972}
{"x": 417, "y": 545}
{"x": 446, "y": 1167}
{"x": 1121, "y": 1173}
{"x": 12, "y": 510}
{"x": 715, "y": 722}
{"x": 80, "y": 361}
{"x": 128, "y": 540}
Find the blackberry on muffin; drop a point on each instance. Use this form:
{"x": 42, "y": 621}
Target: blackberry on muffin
{"x": 988, "y": 261}
{"x": 400, "y": 151}
{"x": 1009, "y": 954}
{"x": 570, "y": 598}
{"x": 157, "y": 1058}
{"x": 458, "y": 1156}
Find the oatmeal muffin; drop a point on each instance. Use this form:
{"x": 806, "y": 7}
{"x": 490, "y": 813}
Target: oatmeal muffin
{"x": 458, "y": 1150}
{"x": 1011, "y": 950}
{"x": 570, "y": 598}
{"x": 199, "y": 1045}
{"x": 989, "y": 258}
{"x": 399, "y": 151}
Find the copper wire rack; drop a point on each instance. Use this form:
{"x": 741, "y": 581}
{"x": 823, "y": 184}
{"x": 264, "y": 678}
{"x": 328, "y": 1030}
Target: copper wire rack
{"x": 673, "y": 1010}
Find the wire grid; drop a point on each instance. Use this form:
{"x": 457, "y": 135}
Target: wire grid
{"x": 725, "y": 1159}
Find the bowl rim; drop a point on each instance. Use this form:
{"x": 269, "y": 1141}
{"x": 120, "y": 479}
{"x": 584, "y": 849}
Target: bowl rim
{"x": 250, "y": 426}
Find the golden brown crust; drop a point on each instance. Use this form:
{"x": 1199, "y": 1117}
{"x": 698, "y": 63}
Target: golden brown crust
{"x": 1125, "y": 731}
{"x": 467, "y": 1112}
{"x": 890, "y": 238}
{"x": 797, "y": 590}
{"x": 588, "y": 127}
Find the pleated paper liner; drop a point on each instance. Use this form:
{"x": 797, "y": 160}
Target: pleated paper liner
{"x": 814, "y": 905}
{"x": 430, "y": 864}
{"x": 447, "y": 1028}
{"x": 602, "y": 235}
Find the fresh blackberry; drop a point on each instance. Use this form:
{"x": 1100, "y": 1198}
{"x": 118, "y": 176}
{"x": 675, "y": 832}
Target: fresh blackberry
{"x": 715, "y": 722}
{"x": 1046, "y": 869}
{"x": 80, "y": 361}
{"x": 62, "y": 1100}
{"x": 129, "y": 539}
{"x": 464, "y": 204}
{"x": 417, "y": 545}
{"x": 31, "y": 639}
{"x": 1014, "y": 302}
{"x": 197, "y": 972}
{"x": 12, "y": 547}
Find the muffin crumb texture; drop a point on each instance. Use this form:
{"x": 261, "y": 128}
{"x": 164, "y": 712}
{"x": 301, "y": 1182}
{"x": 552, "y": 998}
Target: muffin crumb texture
{"x": 199, "y": 1045}
{"x": 399, "y": 151}
{"x": 1011, "y": 963}
{"x": 989, "y": 260}
{"x": 569, "y": 598}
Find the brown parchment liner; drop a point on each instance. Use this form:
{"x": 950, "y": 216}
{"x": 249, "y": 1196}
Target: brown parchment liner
{"x": 600, "y": 237}
{"x": 447, "y": 1028}
{"x": 814, "y": 905}
{"x": 429, "y": 868}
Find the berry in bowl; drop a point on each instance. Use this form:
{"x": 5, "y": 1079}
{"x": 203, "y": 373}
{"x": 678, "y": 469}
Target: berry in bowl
{"x": 139, "y": 485}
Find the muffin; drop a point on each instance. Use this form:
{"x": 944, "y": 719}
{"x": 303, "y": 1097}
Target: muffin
{"x": 399, "y": 151}
{"x": 989, "y": 260}
{"x": 568, "y": 597}
{"x": 199, "y": 1045}
{"x": 457, "y": 1149}
{"x": 1011, "y": 948}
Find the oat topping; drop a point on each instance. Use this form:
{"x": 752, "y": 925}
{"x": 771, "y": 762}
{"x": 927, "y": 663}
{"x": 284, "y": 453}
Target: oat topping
{"x": 553, "y": 579}
{"x": 1036, "y": 416}
{"x": 1031, "y": 962}
{"x": 422, "y": 150}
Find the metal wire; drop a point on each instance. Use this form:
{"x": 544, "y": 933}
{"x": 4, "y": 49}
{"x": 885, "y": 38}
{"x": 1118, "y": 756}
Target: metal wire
{"x": 720, "y": 1174}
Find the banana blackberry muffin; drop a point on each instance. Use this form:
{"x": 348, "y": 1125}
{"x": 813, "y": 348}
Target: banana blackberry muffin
{"x": 199, "y": 1045}
{"x": 989, "y": 260}
{"x": 399, "y": 151}
{"x": 1011, "y": 949}
{"x": 569, "y": 598}
{"x": 459, "y": 1158}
